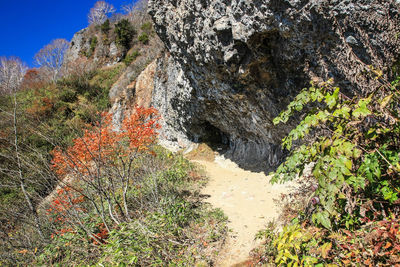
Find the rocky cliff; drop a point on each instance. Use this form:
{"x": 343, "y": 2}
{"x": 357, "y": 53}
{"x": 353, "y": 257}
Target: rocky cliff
{"x": 93, "y": 44}
{"x": 233, "y": 65}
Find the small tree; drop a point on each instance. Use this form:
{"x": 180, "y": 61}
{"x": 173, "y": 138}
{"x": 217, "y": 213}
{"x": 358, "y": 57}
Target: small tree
{"x": 143, "y": 38}
{"x": 51, "y": 57}
{"x": 105, "y": 27}
{"x": 124, "y": 32}
{"x": 34, "y": 79}
{"x": 12, "y": 72}
{"x": 137, "y": 11}
{"x": 101, "y": 168}
{"x": 99, "y": 13}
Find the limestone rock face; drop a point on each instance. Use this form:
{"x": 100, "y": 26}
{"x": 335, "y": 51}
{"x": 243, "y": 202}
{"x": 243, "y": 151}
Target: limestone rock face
{"x": 138, "y": 92}
{"x": 172, "y": 97}
{"x": 77, "y": 44}
{"x": 92, "y": 44}
{"x": 144, "y": 86}
{"x": 235, "y": 64}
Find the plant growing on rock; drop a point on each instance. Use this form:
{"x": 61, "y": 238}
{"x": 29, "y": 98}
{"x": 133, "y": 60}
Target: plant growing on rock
{"x": 105, "y": 27}
{"x": 143, "y": 38}
{"x": 129, "y": 58}
{"x": 124, "y": 33}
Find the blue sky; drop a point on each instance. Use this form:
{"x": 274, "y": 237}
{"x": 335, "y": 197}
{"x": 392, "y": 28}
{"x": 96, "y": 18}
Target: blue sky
{"x": 28, "y": 25}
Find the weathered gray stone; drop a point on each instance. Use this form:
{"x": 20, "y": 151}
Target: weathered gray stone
{"x": 172, "y": 92}
{"x": 113, "y": 49}
{"x": 351, "y": 40}
{"x": 78, "y": 43}
{"x": 136, "y": 93}
{"x": 103, "y": 53}
{"x": 236, "y": 64}
{"x": 222, "y": 24}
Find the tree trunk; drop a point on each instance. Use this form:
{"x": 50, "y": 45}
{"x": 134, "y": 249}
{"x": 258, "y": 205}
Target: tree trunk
{"x": 21, "y": 177}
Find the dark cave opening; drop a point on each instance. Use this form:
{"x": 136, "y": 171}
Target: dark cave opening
{"x": 213, "y": 137}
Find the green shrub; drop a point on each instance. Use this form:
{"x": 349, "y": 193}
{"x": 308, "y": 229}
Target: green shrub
{"x": 124, "y": 33}
{"x": 105, "y": 27}
{"x": 106, "y": 77}
{"x": 358, "y": 153}
{"x": 293, "y": 246}
{"x": 129, "y": 58}
{"x": 93, "y": 44}
{"x": 147, "y": 27}
{"x": 354, "y": 163}
{"x": 143, "y": 38}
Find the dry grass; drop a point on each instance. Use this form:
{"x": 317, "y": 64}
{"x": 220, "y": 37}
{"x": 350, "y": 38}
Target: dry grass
{"x": 202, "y": 152}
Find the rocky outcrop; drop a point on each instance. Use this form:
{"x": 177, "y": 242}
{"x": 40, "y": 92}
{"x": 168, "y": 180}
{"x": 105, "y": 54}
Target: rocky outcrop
{"x": 92, "y": 44}
{"x": 234, "y": 65}
{"x": 135, "y": 85}
{"x": 78, "y": 43}
{"x": 173, "y": 98}
{"x": 126, "y": 96}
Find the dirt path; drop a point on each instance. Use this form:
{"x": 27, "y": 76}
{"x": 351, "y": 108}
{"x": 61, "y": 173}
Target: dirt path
{"x": 246, "y": 198}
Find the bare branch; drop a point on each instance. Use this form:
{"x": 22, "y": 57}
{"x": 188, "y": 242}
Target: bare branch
{"x": 136, "y": 11}
{"x": 51, "y": 57}
{"x": 12, "y": 72}
{"x": 99, "y": 13}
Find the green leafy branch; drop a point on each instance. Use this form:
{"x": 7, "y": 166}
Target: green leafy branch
{"x": 353, "y": 150}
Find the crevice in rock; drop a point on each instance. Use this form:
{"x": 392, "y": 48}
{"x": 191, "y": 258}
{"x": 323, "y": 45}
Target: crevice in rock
{"x": 255, "y": 155}
{"x": 225, "y": 36}
{"x": 212, "y": 136}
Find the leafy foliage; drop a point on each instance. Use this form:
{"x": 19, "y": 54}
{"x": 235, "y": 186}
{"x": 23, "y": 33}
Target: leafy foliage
{"x": 129, "y": 58}
{"x": 162, "y": 238}
{"x": 143, "y": 38}
{"x": 104, "y": 143}
{"x": 116, "y": 185}
{"x": 105, "y": 27}
{"x": 376, "y": 243}
{"x": 54, "y": 114}
{"x": 93, "y": 44}
{"x": 48, "y": 114}
{"x": 355, "y": 163}
{"x": 294, "y": 246}
{"x": 124, "y": 33}
{"x": 105, "y": 160}
{"x": 348, "y": 148}
{"x": 147, "y": 27}
{"x": 166, "y": 226}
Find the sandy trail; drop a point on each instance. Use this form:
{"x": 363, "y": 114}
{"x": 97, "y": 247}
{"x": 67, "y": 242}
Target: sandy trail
{"x": 247, "y": 199}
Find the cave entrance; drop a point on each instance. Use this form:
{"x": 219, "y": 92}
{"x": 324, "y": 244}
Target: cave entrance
{"x": 214, "y": 137}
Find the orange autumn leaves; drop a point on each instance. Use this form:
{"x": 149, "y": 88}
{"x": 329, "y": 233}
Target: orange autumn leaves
{"x": 103, "y": 144}
{"x": 96, "y": 169}
{"x": 140, "y": 128}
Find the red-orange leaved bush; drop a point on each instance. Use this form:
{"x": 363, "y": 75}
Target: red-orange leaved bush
{"x": 102, "y": 167}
